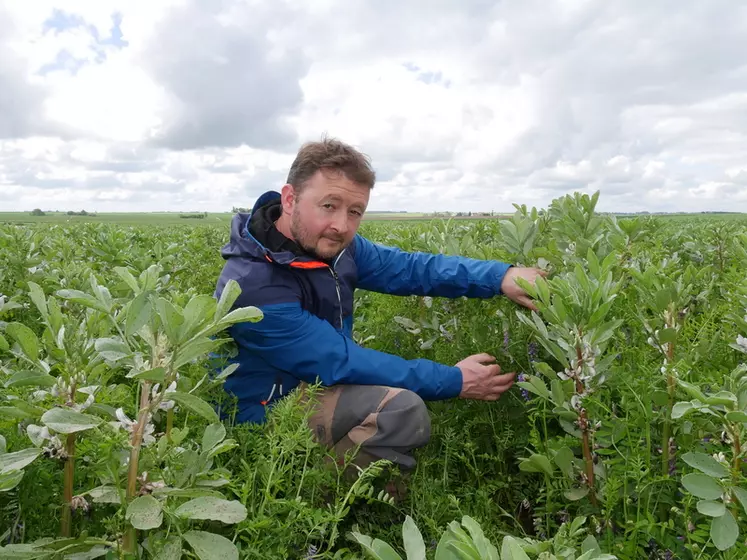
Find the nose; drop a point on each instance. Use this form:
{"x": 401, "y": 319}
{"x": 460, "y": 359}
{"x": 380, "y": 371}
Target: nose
{"x": 340, "y": 223}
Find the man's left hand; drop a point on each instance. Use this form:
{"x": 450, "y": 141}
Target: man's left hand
{"x": 516, "y": 294}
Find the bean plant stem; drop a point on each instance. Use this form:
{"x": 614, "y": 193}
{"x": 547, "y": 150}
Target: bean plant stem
{"x": 130, "y": 540}
{"x": 671, "y": 390}
{"x": 583, "y": 422}
{"x": 67, "y": 507}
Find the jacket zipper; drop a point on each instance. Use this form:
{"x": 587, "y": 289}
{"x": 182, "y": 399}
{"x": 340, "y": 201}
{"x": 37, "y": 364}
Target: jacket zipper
{"x": 337, "y": 286}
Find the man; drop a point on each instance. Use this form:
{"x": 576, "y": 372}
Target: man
{"x": 298, "y": 257}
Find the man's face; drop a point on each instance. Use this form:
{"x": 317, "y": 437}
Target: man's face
{"x": 326, "y": 215}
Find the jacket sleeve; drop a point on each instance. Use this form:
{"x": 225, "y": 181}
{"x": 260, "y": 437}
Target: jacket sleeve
{"x": 293, "y": 340}
{"x": 393, "y": 271}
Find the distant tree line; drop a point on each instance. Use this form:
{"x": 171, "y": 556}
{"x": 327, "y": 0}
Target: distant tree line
{"x": 195, "y": 216}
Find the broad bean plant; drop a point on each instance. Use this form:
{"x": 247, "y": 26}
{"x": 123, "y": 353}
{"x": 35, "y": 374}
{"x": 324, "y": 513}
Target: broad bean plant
{"x": 624, "y": 436}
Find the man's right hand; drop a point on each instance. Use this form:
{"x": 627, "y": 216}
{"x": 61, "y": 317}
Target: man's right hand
{"x": 481, "y": 379}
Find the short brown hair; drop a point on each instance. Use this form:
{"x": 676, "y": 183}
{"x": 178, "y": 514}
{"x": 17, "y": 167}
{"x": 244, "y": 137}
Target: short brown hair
{"x": 332, "y": 155}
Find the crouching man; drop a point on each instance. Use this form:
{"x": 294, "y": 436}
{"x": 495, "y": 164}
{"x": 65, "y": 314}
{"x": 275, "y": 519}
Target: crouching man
{"x": 298, "y": 257}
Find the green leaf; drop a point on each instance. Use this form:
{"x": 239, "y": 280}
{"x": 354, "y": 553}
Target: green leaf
{"x": 36, "y": 294}
{"x": 546, "y": 370}
{"x": 187, "y": 492}
{"x": 558, "y": 394}
{"x": 214, "y": 434}
{"x": 156, "y": 374}
{"x": 485, "y": 548}
{"x": 241, "y": 315}
{"x": 680, "y": 409}
{"x": 575, "y": 494}
{"x": 128, "y": 278}
{"x": 13, "y": 413}
{"x": 215, "y": 509}
{"x": 724, "y": 531}
{"x": 228, "y": 297}
{"x": 706, "y": 464}
{"x": 590, "y": 544}
{"x": 18, "y": 460}
{"x": 172, "y": 550}
{"x": 535, "y": 385}
{"x": 663, "y": 297}
{"x": 138, "y": 314}
{"x": 112, "y": 349}
{"x": 564, "y": 459}
{"x": 199, "y": 311}
{"x": 736, "y": 416}
{"x": 702, "y": 486}
{"x": 209, "y": 546}
{"x": 145, "y": 512}
{"x": 741, "y": 495}
{"x": 711, "y": 508}
{"x": 194, "y": 350}
{"x": 223, "y": 447}
{"x": 692, "y": 390}
{"x": 660, "y": 398}
{"x": 9, "y": 480}
{"x": 511, "y": 549}
{"x": 536, "y": 463}
{"x": 3, "y": 445}
{"x": 4, "y": 346}
{"x": 195, "y": 404}
{"x": 668, "y": 335}
{"x": 226, "y": 372}
{"x": 171, "y": 319}
{"x": 66, "y": 421}
{"x": 82, "y": 298}
{"x": 25, "y": 338}
{"x": 26, "y": 378}
{"x": 412, "y": 539}
{"x": 722, "y": 398}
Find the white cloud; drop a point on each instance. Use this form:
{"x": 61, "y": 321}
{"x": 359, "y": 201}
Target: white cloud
{"x": 188, "y": 104}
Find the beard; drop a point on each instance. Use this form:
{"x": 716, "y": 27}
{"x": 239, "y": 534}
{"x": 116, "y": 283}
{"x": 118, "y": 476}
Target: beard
{"x": 312, "y": 243}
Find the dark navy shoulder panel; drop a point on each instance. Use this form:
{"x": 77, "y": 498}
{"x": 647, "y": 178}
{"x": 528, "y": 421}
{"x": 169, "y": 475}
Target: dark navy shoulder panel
{"x": 261, "y": 283}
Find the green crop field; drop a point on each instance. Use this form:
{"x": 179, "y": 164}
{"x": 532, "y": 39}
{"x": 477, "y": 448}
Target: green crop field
{"x": 624, "y": 438}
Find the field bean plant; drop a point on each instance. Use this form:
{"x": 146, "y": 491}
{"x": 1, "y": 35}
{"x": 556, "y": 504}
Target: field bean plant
{"x": 624, "y": 436}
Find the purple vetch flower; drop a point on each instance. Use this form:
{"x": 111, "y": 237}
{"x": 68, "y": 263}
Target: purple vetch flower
{"x": 524, "y": 393}
{"x": 532, "y": 351}
{"x": 506, "y": 340}
{"x": 311, "y": 552}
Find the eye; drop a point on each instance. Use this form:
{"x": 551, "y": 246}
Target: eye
{"x": 328, "y": 206}
{"x": 355, "y": 212}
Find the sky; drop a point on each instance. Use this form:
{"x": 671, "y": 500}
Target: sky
{"x": 462, "y": 105}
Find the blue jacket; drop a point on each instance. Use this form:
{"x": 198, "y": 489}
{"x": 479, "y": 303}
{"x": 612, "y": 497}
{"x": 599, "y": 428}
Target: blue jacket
{"x": 306, "y": 331}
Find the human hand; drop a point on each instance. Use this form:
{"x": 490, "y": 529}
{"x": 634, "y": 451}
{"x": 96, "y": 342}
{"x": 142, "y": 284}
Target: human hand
{"x": 511, "y": 289}
{"x": 481, "y": 379}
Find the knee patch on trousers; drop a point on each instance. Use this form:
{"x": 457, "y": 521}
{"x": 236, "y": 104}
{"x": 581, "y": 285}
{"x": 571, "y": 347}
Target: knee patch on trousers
{"x": 402, "y": 423}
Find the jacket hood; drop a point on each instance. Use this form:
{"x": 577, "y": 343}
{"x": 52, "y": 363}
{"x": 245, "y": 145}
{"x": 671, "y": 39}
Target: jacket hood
{"x": 243, "y": 244}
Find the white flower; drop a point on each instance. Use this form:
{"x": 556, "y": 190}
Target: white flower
{"x": 742, "y": 342}
{"x": 129, "y": 425}
{"x": 81, "y": 407}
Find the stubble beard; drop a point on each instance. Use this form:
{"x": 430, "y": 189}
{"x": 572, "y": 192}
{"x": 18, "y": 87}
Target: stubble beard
{"x": 302, "y": 238}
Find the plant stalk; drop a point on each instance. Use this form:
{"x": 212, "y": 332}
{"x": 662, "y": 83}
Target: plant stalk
{"x": 583, "y": 423}
{"x": 671, "y": 390}
{"x": 130, "y": 539}
{"x": 169, "y": 423}
{"x": 69, "y": 479}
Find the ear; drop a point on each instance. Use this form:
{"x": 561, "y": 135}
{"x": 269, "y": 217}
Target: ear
{"x": 288, "y": 198}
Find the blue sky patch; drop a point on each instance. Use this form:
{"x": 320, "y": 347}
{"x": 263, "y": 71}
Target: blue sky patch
{"x": 61, "y": 21}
